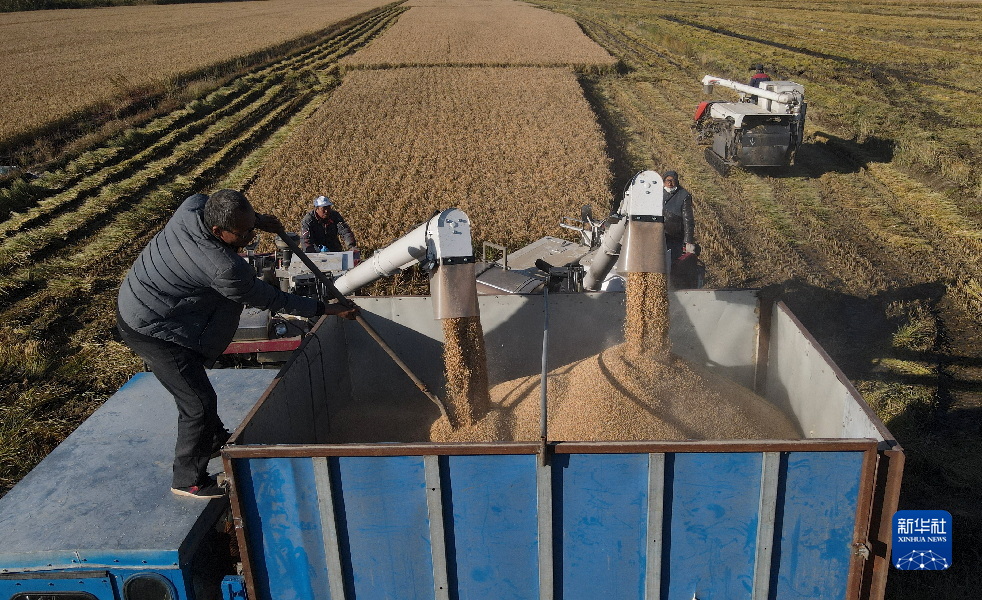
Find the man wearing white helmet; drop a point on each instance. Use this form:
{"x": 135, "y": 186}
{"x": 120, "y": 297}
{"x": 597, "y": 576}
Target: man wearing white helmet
{"x": 325, "y": 230}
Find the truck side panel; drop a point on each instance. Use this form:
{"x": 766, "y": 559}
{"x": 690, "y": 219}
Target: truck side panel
{"x": 601, "y": 503}
{"x": 384, "y": 523}
{"x": 293, "y": 564}
{"x": 491, "y": 541}
{"x": 713, "y": 524}
{"x": 819, "y": 500}
{"x": 625, "y": 524}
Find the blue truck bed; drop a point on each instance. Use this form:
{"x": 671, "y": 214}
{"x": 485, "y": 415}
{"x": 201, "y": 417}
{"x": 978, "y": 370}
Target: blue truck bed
{"x": 323, "y": 515}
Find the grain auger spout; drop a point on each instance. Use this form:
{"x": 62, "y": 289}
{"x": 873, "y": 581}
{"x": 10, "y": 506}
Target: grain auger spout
{"x": 638, "y": 226}
{"x": 443, "y": 246}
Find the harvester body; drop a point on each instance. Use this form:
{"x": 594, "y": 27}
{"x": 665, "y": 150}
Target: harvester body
{"x": 763, "y": 129}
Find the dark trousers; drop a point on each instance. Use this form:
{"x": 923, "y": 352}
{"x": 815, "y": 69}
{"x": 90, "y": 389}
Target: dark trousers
{"x": 182, "y": 373}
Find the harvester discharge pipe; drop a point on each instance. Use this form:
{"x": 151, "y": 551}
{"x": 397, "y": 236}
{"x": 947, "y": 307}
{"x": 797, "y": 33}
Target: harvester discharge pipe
{"x": 789, "y": 98}
{"x": 643, "y": 198}
{"x": 644, "y": 240}
{"x": 344, "y": 301}
{"x": 443, "y": 245}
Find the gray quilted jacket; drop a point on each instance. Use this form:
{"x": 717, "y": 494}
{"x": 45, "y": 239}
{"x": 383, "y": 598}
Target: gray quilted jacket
{"x": 188, "y": 287}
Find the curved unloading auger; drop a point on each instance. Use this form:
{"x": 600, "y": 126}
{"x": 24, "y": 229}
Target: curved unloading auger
{"x": 639, "y": 228}
{"x": 443, "y": 246}
{"x": 790, "y": 99}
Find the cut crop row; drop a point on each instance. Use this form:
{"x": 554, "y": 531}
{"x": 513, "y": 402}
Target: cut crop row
{"x": 116, "y": 184}
{"x": 131, "y": 179}
{"x": 115, "y": 166}
{"x": 86, "y": 62}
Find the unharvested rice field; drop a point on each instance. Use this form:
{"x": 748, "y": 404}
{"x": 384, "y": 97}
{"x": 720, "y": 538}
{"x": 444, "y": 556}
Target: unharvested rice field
{"x": 59, "y": 62}
{"x": 392, "y": 146}
{"x": 483, "y": 32}
{"x": 873, "y": 237}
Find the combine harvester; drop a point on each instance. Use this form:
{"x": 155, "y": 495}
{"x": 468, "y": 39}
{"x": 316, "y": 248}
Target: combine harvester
{"x": 764, "y": 129}
{"x": 335, "y": 492}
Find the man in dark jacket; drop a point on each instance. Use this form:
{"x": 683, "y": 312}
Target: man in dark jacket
{"x": 179, "y": 307}
{"x": 679, "y": 223}
{"x": 324, "y": 229}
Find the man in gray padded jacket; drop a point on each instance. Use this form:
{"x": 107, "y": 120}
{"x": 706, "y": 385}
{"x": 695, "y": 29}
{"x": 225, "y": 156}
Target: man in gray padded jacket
{"x": 179, "y": 307}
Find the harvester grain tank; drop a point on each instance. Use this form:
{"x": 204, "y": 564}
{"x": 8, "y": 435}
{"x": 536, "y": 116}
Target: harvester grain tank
{"x": 763, "y": 129}
{"x": 337, "y": 494}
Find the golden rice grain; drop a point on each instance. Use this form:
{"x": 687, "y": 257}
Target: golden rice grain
{"x": 466, "y": 370}
{"x": 636, "y": 390}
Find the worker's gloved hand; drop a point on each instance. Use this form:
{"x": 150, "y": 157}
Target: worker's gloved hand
{"x": 345, "y": 312}
{"x": 690, "y": 248}
{"x": 269, "y": 223}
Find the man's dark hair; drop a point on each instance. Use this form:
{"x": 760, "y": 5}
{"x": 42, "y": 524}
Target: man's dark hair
{"x": 222, "y": 208}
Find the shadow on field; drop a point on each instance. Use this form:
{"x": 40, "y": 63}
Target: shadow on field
{"x": 825, "y": 153}
{"x": 942, "y": 439}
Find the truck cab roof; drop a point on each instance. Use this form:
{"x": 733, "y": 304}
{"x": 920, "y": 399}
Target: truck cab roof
{"x": 103, "y": 498}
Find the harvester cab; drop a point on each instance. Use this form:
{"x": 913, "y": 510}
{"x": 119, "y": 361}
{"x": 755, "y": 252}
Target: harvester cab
{"x": 763, "y": 129}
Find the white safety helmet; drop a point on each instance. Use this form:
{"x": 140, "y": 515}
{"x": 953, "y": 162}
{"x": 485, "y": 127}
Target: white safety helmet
{"x": 323, "y": 201}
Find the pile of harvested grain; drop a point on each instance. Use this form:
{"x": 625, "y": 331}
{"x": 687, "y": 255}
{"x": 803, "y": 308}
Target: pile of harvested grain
{"x": 636, "y": 390}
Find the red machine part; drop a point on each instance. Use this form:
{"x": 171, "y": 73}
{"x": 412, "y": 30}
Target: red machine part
{"x": 277, "y": 345}
{"x": 701, "y": 110}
